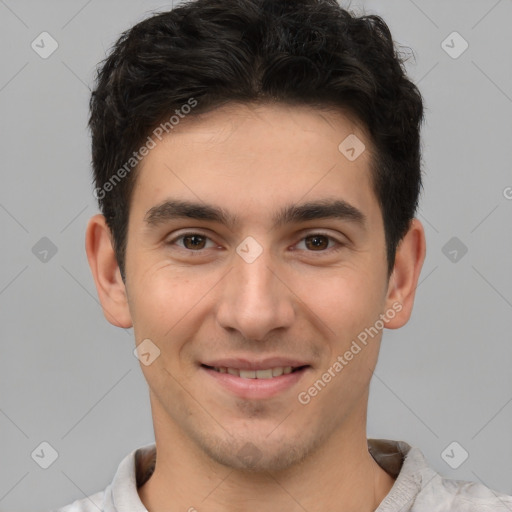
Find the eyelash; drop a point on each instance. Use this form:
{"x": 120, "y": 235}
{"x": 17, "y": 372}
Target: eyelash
{"x": 339, "y": 245}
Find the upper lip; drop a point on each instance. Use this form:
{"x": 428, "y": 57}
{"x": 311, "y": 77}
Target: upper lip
{"x": 262, "y": 364}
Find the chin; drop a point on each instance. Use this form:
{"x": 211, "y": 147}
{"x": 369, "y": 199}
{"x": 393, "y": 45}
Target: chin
{"x": 260, "y": 454}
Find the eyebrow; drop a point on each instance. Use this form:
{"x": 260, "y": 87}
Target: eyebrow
{"x": 173, "y": 209}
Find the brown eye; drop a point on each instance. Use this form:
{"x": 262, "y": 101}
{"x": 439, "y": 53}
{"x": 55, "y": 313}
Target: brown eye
{"x": 194, "y": 241}
{"x": 317, "y": 242}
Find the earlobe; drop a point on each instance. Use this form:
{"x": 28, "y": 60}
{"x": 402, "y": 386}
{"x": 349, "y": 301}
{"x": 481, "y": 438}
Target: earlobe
{"x": 105, "y": 270}
{"x": 403, "y": 282}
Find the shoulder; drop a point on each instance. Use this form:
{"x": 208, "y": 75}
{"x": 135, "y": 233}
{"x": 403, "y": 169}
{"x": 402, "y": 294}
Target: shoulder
{"x": 446, "y": 494}
{"x": 419, "y": 487}
{"x": 121, "y": 493}
{"x": 437, "y": 493}
{"x": 93, "y": 503}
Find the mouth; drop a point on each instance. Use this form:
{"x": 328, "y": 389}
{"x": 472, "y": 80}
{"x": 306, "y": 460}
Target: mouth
{"x": 264, "y": 382}
{"x": 266, "y": 373}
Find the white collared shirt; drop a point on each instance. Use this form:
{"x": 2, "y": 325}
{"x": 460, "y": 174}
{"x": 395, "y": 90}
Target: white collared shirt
{"x": 417, "y": 488}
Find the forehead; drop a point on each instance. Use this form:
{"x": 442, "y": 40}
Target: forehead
{"x": 255, "y": 158}
{"x": 267, "y": 125}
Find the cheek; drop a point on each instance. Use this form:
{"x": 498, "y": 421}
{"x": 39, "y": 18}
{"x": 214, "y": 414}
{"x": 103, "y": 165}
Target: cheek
{"x": 347, "y": 301}
{"x": 161, "y": 308}
{"x": 159, "y": 300}
{"x": 169, "y": 303}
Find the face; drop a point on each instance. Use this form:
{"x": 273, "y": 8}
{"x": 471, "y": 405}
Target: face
{"x": 281, "y": 263}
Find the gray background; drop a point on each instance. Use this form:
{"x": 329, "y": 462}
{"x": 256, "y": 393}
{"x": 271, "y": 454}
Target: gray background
{"x": 69, "y": 378}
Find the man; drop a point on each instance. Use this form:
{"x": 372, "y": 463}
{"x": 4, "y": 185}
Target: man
{"x": 257, "y": 165}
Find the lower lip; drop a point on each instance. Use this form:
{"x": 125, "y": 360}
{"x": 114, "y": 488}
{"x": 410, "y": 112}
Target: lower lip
{"x": 256, "y": 388}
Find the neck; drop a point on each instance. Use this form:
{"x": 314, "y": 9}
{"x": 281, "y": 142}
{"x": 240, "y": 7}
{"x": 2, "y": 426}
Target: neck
{"x": 340, "y": 476}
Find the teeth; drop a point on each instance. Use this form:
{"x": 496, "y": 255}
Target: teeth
{"x": 262, "y": 374}
{"x": 256, "y": 374}
{"x": 248, "y": 374}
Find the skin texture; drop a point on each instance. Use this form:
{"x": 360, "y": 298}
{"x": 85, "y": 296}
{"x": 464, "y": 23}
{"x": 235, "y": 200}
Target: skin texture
{"x": 295, "y": 300}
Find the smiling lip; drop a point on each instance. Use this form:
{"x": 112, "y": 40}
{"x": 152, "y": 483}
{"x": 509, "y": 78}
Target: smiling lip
{"x": 255, "y": 388}
{"x": 263, "y": 364}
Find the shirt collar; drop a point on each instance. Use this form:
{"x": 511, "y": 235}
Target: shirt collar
{"x": 397, "y": 458}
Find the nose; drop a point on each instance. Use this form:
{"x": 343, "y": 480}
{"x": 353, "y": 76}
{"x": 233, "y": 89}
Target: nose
{"x": 255, "y": 299}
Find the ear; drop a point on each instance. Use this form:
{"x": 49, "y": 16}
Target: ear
{"x": 403, "y": 281}
{"x": 105, "y": 270}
